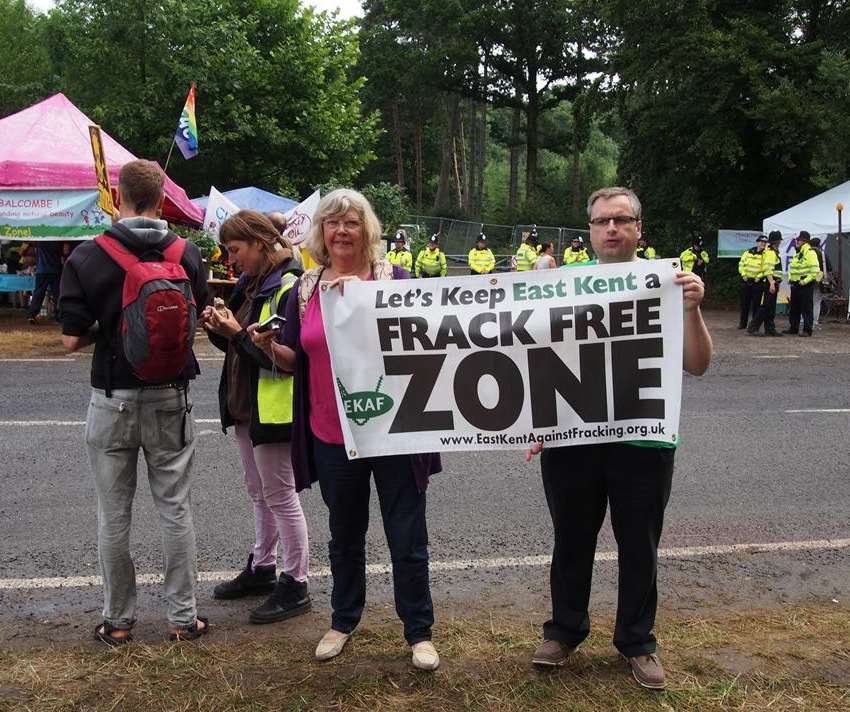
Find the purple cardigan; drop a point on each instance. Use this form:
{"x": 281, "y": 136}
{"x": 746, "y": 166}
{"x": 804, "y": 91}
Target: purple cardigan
{"x": 304, "y": 466}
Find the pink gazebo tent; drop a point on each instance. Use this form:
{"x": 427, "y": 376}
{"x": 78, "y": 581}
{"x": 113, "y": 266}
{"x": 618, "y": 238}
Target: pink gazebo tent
{"x": 47, "y": 147}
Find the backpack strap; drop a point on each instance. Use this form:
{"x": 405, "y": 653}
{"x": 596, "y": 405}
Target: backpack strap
{"x": 116, "y": 251}
{"x": 174, "y": 252}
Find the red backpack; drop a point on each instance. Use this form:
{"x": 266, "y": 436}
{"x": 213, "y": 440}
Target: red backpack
{"x": 158, "y": 312}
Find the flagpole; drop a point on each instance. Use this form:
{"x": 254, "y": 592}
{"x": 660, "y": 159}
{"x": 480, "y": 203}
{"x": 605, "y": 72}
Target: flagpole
{"x": 165, "y": 170}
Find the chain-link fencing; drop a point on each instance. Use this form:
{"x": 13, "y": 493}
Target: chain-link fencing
{"x": 458, "y": 237}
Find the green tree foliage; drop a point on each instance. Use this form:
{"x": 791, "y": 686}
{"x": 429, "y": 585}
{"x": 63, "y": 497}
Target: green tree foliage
{"x": 276, "y": 103}
{"x": 729, "y": 113}
{"x": 25, "y": 68}
{"x": 389, "y": 204}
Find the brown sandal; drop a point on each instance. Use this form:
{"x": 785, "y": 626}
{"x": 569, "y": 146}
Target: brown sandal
{"x": 104, "y": 633}
{"x": 191, "y": 632}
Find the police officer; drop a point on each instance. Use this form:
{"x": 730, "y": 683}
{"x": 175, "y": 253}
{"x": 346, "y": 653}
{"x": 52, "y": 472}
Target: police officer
{"x": 772, "y": 273}
{"x": 644, "y": 251}
{"x": 400, "y": 255}
{"x": 695, "y": 259}
{"x": 576, "y": 252}
{"x": 526, "y": 255}
{"x": 481, "y": 259}
{"x": 751, "y": 268}
{"x": 803, "y": 274}
{"x": 431, "y": 262}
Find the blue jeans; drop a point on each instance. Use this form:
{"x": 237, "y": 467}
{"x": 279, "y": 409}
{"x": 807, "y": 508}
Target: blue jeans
{"x": 346, "y": 488}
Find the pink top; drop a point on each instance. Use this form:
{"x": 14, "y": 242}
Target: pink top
{"x": 324, "y": 417}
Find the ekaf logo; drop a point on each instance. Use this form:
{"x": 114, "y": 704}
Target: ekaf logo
{"x": 362, "y": 406}
{"x": 164, "y": 308}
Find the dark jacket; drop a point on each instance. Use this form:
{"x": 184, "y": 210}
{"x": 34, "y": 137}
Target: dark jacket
{"x": 261, "y": 434}
{"x": 303, "y": 463}
{"x": 91, "y": 291}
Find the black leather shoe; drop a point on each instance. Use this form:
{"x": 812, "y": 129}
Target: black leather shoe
{"x": 742, "y": 326}
{"x": 789, "y": 331}
{"x": 249, "y": 582}
{"x": 773, "y": 333}
{"x": 805, "y": 333}
{"x": 290, "y": 598}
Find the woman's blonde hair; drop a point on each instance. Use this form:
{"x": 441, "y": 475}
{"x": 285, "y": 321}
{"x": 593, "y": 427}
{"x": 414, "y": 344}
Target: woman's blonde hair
{"x": 339, "y": 202}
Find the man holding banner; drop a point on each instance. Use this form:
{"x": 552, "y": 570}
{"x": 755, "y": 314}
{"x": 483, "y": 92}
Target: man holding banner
{"x": 634, "y": 477}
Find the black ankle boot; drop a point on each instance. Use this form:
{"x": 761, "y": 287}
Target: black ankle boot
{"x": 290, "y": 598}
{"x": 249, "y": 582}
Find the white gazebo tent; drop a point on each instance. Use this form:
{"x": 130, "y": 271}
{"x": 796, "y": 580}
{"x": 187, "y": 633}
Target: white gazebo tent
{"x": 819, "y": 217}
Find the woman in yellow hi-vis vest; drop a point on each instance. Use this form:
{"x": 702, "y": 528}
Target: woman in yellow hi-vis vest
{"x": 257, "y": 399}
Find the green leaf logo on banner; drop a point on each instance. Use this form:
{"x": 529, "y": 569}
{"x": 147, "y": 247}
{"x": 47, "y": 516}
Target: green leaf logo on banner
{"x": 362, "y": 406}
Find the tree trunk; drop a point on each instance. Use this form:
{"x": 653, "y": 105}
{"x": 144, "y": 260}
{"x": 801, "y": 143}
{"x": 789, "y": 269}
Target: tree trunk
{"x": 472, "y": 163}
{"x": 575, "y": 175}
{"x": 461, "y": 164}
{"x": 531, "y": 147}
{"x": 513, "y": 190}
{"x": 417, "y": 153}
{"x": 399, "y": 156}
{"x": 481, "y": 159}
{"x": 443, "y": 200}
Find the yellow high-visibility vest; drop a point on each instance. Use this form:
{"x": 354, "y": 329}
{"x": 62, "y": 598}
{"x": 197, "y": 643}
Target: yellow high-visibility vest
{"x": 526, "y": 257}
{"x": 431, "y": 262}
{"x": 751, "y": 264}
{"x": 274, "y": 388}
{"x": 689, "y": 257}
{"x": 572, "y": 256}
{"x": 401, "y": 258}
{"x": 481, "y": 261}
{"x": 804, "y": 266}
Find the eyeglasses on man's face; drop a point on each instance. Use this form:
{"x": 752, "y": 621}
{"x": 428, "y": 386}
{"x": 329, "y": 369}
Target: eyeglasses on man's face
{"x": 619, "y": 220}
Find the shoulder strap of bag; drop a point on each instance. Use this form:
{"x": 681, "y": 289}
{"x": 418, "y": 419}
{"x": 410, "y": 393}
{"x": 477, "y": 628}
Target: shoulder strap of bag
{"x": 116, "y": 251}
{"x": 309, "y": 280}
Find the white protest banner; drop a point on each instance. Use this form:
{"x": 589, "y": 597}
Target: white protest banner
{"x": 564, "y": 356}
{"x": 219, "y": 208}
{"x": 299, "y": 219}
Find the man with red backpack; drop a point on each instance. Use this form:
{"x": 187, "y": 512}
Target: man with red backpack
{"x": 142, "y": 286}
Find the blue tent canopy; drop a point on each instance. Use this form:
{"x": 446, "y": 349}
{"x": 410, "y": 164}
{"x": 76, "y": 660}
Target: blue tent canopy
{"x": 251, "y": 198}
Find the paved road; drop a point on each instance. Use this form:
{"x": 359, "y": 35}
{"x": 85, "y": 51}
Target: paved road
{"x": 747, "y": 471}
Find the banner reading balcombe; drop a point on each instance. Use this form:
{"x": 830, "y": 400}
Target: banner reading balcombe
{"x": 562, "y": 356}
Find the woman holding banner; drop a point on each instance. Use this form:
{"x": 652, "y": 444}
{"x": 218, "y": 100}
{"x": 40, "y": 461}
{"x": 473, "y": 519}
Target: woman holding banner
{"x": 344, "y": 241}
{"x": 258, "y": 402}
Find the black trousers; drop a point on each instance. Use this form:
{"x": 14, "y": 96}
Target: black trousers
{"x": 43, "y": 282}
{"x": 346, "y": 487}
{"x": 802, "y": 306}
{"x": 766, "y": 313}
{"x": 750, "y": 300}
{"x": 580, "y": 482}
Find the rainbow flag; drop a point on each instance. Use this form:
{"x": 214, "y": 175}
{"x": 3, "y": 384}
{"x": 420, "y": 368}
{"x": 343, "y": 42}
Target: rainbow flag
{"x": 186, "y": 136}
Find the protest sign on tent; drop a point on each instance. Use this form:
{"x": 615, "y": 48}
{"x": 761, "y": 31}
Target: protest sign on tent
{"x": 219, "y": 208}
{"x": 562, "y": 357}
{"x": 299, "y": 219}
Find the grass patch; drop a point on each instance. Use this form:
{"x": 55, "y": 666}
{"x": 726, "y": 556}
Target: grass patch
{"x": 789, "y": 659}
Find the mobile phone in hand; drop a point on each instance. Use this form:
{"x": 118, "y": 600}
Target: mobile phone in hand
{"x": 273, "y": 323}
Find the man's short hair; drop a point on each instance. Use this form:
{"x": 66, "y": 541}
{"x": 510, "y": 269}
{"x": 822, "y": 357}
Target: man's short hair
{"x": 613, "y": 192}
{"x": 141, "y": 183}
